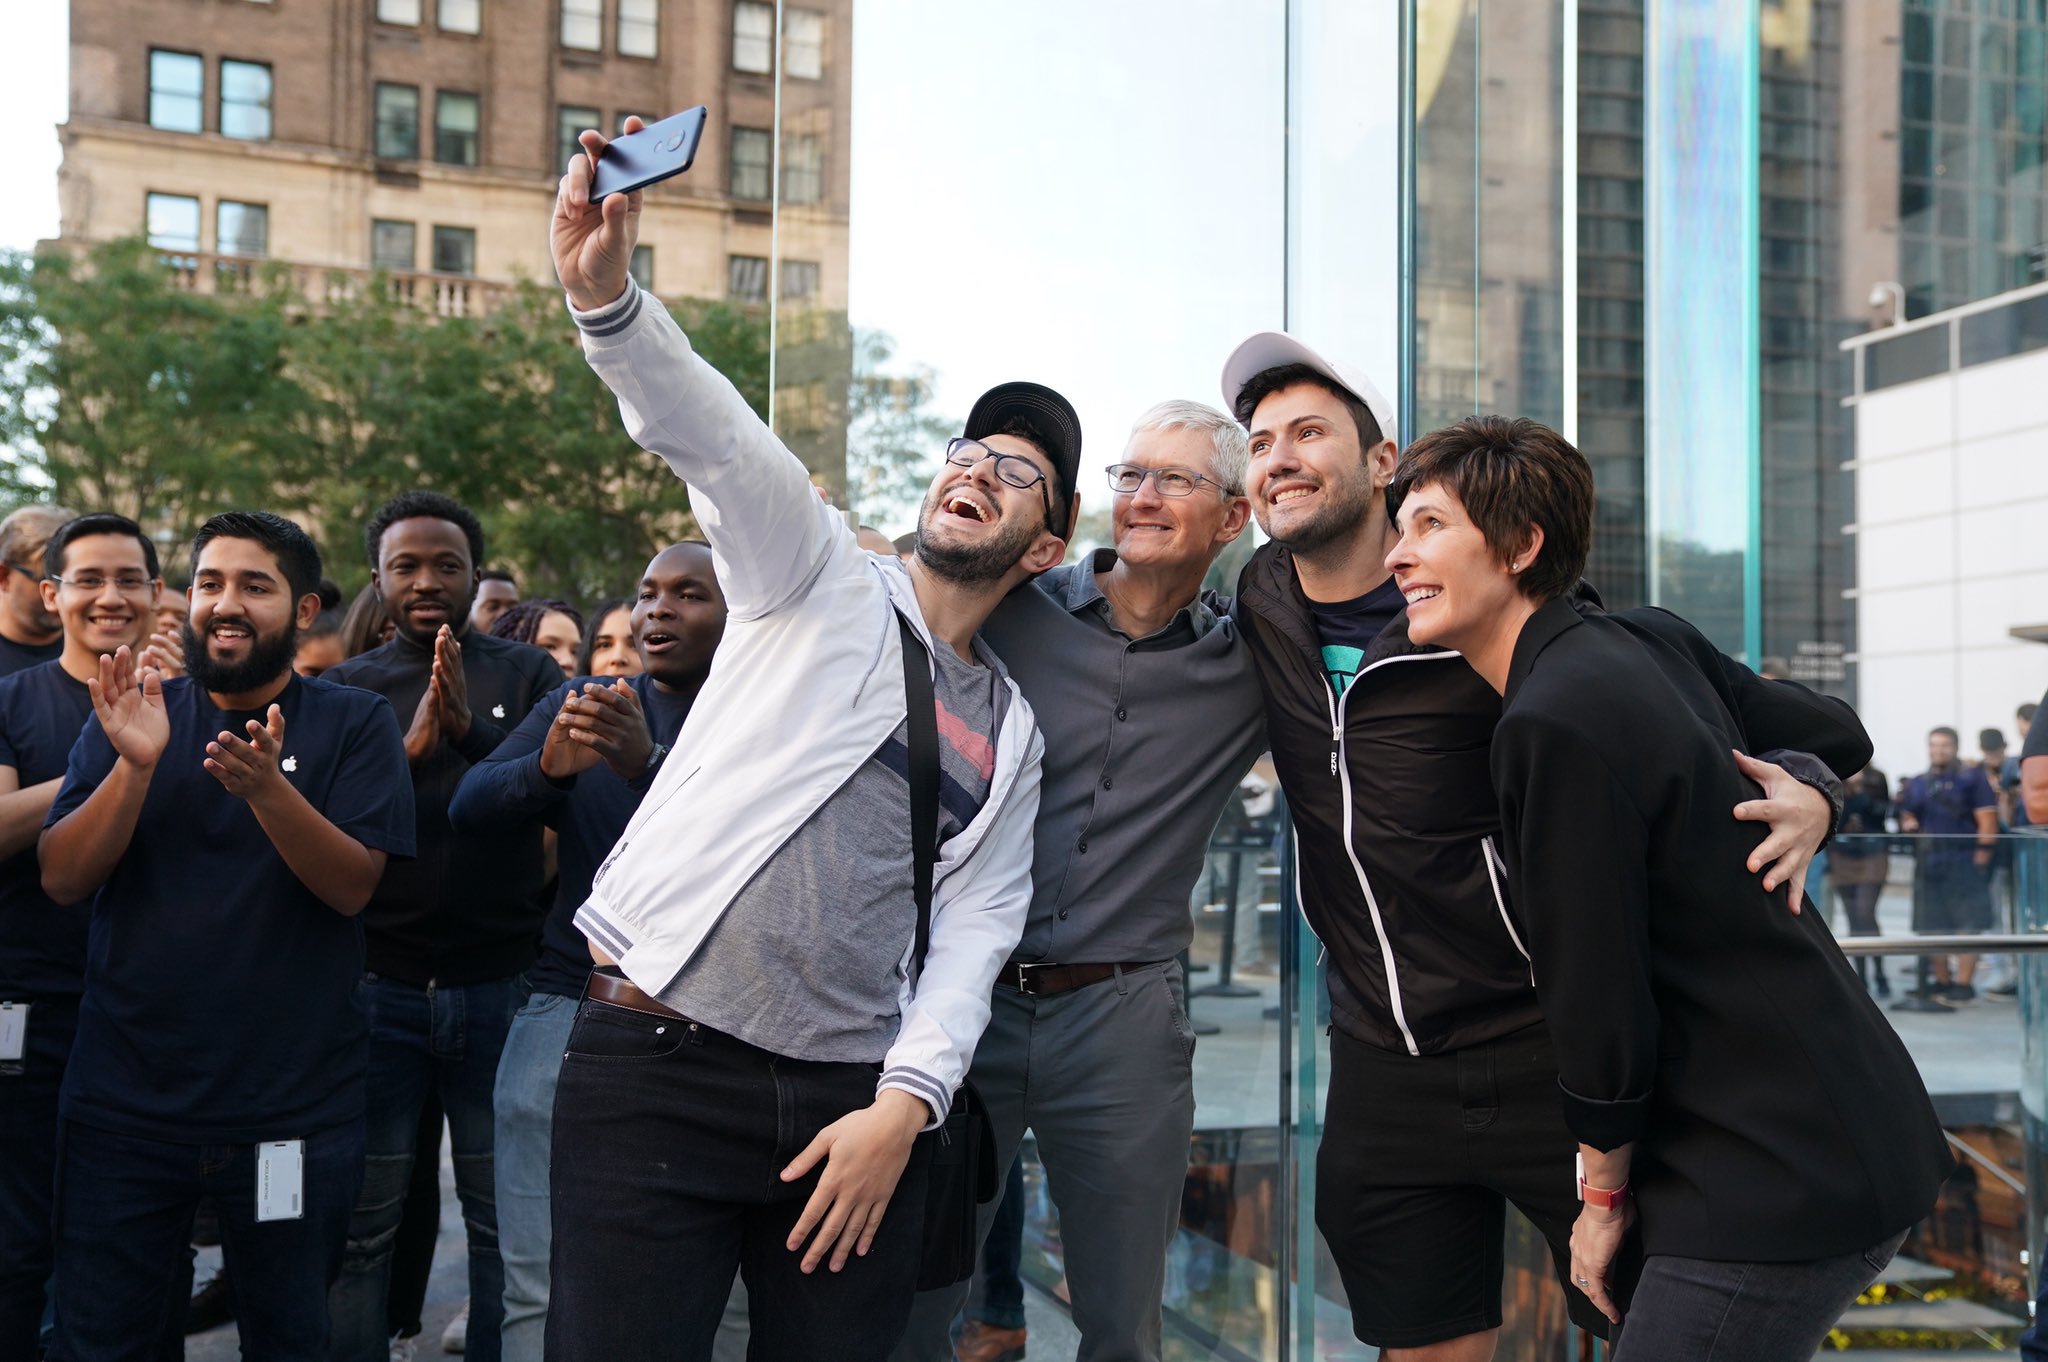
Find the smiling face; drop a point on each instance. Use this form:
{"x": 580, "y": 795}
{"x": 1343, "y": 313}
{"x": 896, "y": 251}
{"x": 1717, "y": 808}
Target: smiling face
{"x": 558, "y": 636}
{"x": 611, "y": 645}
{"x": 679, "y": 615}
{"x": 99, "y": 621}
{"x": 425, "y": 575}
{"x": 1457, "y": 588}
{"x": 243, "y": 626}
{"x": 974, "y": 527}
{"x": 1167, "y": 532}
{"x": 1311, "y": 483}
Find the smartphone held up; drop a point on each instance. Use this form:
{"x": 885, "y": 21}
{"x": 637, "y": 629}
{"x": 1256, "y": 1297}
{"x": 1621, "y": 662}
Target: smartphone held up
{"x": 655, "y": 153}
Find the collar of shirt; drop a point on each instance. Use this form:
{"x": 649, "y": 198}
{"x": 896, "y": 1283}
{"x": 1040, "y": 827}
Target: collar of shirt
{"x": 1081, "y": 590}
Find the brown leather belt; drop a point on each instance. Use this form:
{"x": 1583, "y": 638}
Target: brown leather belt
{"x": 1043, "y": 981}
{"x": 620, "y": 992}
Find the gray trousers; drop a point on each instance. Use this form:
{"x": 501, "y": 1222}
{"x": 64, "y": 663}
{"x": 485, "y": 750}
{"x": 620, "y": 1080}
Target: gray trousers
{"x": 1104, "y": 1076}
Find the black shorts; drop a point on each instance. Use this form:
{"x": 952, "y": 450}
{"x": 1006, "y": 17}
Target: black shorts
{"x": 1418, "y": 1161}
{"x": 1951, "y": 892}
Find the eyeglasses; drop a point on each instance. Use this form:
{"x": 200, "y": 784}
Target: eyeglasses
{"x": 92, "y": 585}
{"x": 1014, "y": 469}
{"x": 1126, "y": 478}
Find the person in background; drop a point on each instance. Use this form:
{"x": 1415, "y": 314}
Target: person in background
{"x": 2023, "y": 719}
{"x": 1857, "y": 865}
{"x": 554, "y": 627}
{"x": 103, "y": 584}
{"x": 578, "y": 763}
{"x": 449, "y": 935}
{"x": 874, "y": 541}
{"x": 320, "y": 645}
{"x": 367, "y": 624}
{"x": 905, "y": 546}
{"x": 1956, "y": 809}
{"x": 497, "y": 591}
{"x": 29, "y": 631}
{"x": 608, "y": 645}
{"x": 1998, "y": 974}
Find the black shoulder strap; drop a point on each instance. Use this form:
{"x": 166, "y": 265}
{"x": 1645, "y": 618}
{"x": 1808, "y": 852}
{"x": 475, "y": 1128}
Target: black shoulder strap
{"x": 923, "y": 718}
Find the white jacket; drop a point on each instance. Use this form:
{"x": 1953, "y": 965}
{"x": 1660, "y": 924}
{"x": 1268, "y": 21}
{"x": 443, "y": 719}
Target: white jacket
{"x": 806, "y": 685}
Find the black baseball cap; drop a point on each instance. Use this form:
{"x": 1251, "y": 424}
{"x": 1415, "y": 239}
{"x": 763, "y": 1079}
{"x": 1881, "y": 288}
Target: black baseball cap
{"x": 1049, "y": 414}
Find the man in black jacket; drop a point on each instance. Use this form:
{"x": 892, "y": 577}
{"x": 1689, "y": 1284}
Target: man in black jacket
{"x": 450, "y": 933}
{"x": 1443, "y": 1102}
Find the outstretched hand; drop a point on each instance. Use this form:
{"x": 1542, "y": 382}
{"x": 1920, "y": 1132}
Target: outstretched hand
{"x": 129, "y": 703}
{"x": 593, "y": 242}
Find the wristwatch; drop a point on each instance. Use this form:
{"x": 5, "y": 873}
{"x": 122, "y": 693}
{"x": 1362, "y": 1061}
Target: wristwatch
{"x": 646, "y": 776}
{"x": 1599, "y": 1196}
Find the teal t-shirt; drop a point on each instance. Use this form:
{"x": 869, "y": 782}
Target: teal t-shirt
{"x": 1347, "y": 629}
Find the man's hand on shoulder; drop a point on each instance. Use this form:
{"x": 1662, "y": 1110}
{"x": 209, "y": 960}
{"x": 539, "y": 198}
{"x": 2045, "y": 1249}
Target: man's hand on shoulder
{"x": 593, "y": 242}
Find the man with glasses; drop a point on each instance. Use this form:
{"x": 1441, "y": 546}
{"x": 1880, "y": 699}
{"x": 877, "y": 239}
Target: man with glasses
{"x": 29, "y": 632}
{"x": 1151, "y": 715}
{"x": 756, "y": 1052}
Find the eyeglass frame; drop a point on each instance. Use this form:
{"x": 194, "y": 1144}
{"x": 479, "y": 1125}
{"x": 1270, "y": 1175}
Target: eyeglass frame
{"x": 1038, "y": 477}
{"x": 142, "y": 590}
{"x": 1153, "y": 473}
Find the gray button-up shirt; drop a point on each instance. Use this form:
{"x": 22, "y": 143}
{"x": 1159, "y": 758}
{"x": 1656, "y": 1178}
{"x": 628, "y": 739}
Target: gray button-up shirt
{"x": 1144, "y": 741}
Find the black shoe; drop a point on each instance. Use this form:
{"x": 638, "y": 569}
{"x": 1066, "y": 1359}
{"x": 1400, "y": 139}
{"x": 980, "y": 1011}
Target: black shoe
{"x": 212, "y": 1305}
{"x": 1960, "y": 993}
{"x": 1884, "y": 987}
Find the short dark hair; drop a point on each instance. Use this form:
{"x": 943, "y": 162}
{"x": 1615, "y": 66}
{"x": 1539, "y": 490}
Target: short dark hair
{"x": 1269, "y": 381}
{"x": 421, "y": 504}
{"x": 298, "y": 557}
{"x": 326, "y": 624}
{"x": 330, "y": 594}
{"x": 1024, "y": 428}
{"x": 1511, "y": 474}
{"x": 1944, "y": 731}
{"x": 2025, "y": 713}
{"x": 497, "y": 575}
{"x": 1990, "y": 740}
{"x": 91, "y": 523}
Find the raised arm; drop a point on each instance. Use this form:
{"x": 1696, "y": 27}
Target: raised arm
{"x": 127, "y": 735}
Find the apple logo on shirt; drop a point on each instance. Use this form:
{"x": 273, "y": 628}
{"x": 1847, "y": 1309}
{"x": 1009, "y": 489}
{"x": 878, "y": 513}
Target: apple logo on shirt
{"x": 290, "y": 764}
{"x": 497, "y": 711}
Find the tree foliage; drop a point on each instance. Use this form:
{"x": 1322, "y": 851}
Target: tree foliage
{"x": 894, "y": 439}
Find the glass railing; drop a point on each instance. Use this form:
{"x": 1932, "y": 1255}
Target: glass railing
{"x": 1250, "y": 1280}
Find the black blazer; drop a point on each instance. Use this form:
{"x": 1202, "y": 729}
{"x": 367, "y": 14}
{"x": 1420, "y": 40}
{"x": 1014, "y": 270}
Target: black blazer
{"x": 1777, "y": 1117}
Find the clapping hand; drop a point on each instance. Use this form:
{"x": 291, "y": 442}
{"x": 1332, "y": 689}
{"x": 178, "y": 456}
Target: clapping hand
{"x": 129, "y": 703}
{"x": 249, "y": 769}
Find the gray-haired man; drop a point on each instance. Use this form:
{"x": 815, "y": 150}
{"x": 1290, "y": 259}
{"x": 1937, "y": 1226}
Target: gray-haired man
{"x": 1151, "y": 714}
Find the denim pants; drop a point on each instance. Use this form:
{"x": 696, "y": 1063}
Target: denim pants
{"x": 124, "y": 1219}
{"x": 526, "y": 1122}
{"x": 28, "y": 1172}
{"x": 1002, "y": 1257}
{"x": 1695, "y": 1310}
{"x": 445, "y": 1039}
{"x": 669, "y": 1142}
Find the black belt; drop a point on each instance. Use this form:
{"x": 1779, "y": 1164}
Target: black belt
{"x": 1043, "y": 981}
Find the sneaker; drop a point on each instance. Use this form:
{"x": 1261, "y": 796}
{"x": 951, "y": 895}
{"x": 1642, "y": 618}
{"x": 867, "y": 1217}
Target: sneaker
{"x": 405, "y": 1349}
{"x": 455, "y": 1337}
{"x": 1960, "y": 993}
{"x": 981, "y": 1342}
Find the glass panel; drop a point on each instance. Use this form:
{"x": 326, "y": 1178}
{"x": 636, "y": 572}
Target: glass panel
{"x": 398, "y": 11}
{"x": 177, "y": 82}
{"x": 2011, "y": 330}
{"x": 746, "y": 279}
{"x": 244, "y": 99}
{"x": 752, "y": 152}
{"x": 398, "y": 122}
{"x": 392, "y": 245}
{"x": 1915, "y": 355}
{"x": 803, "y": 43}
{"x": 173, "y": 222}
{"x": 456, "y": 120}
{"x": 641, "y": 267}
{"x": 241, "y": 228}
{"x": 583, "y": 24}
{"x": 753, "y": 37}
{"x": 459, "y": 16}
{"x": 803, "y": 170}
{"x": 639, "y": 27}
{"x": 570, "y": 121}
{"x": 455, "y": 250}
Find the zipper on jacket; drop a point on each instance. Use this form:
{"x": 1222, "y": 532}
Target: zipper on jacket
{"x": 1372, "y": 904}
{"x": 1495, "y": 864}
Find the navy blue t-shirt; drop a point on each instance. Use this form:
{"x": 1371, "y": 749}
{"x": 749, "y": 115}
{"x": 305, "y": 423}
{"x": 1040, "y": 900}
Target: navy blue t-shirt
{"x": 42, "y": 946}
{"x": 221, "y": 1001}
{"x": 19, "y": 657}
{"x": 1347, "y": 628}
{"x": 588, "y": 812}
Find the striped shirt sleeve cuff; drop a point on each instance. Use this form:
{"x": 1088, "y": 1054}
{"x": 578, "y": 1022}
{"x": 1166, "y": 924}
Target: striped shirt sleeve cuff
{"x": 614, "y": 316}
{"x": 923, "y": 1087}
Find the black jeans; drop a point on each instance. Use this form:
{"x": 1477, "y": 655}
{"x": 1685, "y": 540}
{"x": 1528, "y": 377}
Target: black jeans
{"x": 28, "y": 1171}
{"x": 1693, "y": 1310}
{"x": 668, "y": 1144}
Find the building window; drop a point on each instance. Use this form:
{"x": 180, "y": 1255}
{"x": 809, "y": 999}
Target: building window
{"x": 398, "y": 11}
{"x": 459, "y": 16}
{"x": 803, "y": 43}
{"x": 456, "y": 119}
{"x": 177, "y": 91}
{"x": 455, "y": 250}
{"x": 570, "y": 120}
{"x": 642, "y": 267}
{"x": 241, "y": 228}
{"x": 391, "y": 245}
{"x": 803, "y": 170}
{"x": 753, "y": 37}
{"x": 245, "y": 99}
{"x": 583, "y": 25}
{"x": 752, "y": 154}
{"x": 173, "y": 222}
{"x": 799, "y": 280}
{"x": 746, "y": 278}
{"x": 639, "y": 27}
{"x": 398, "y": 122}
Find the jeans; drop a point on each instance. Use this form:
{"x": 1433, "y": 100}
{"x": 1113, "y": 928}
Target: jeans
{"x": 669, "y": 1142}
{"x": 526, "y": 1122}
{"x": 124, "y": 1219}
{"x": 1694, "y": 1310}
{"x": 1002, "y": 1257}
{"x": 447, "y": 1039}
{"x": 28, "y": 1172}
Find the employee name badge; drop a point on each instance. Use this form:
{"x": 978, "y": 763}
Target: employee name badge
{"x": 13, "y": 1032}
{"x": 280, "y": 1180}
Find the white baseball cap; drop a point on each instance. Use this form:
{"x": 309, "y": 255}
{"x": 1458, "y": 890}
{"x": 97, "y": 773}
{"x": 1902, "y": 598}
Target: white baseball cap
{"x": 1275, "y": 349}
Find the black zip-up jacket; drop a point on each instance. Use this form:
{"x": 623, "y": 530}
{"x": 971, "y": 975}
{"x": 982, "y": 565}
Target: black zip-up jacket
{"x": 468, "y": 907}
{"x": 1397, "y": 830}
